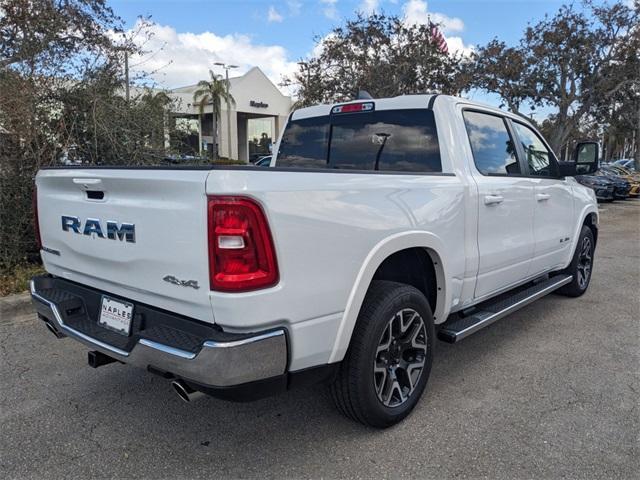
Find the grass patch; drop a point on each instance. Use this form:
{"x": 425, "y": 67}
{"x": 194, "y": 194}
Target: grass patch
{"x": 17, "y": 279}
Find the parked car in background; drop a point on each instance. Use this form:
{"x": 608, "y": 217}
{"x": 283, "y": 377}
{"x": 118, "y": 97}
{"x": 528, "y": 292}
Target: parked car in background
{"x": 631, "y": 177}
{"x": 263, "y": 161}
{"x": 620, "y": 187}
{"x": 626, "y": 163}
{"x": 617, "y": 175}
{"x": 628, "y": 172}
{"x": 602, "y": 186}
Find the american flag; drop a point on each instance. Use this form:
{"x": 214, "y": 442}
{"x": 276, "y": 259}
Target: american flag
{"x": 438, "y": 38}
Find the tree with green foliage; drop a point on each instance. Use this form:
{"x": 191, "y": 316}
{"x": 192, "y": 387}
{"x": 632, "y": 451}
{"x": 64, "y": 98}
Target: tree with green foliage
{"x": 45, "y": 35}
{"x": 565, "y": 62}
{"x": 618, "y": 112}
{"x": 377, "y": 53}
{"x": 499, "y": 68}
{"x": 62, "y": 98}
{"x": 212, "y": 92}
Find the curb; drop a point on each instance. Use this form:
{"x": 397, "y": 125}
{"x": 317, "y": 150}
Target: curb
{"x": 13, "y": 305}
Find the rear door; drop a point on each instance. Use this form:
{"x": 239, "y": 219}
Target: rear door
{"x": 505, "y": 203}
{"x": 136, "y": 233}
{"x": 553, "y": 207}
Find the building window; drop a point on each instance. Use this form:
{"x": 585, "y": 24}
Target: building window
{"x": 260, "y": 135}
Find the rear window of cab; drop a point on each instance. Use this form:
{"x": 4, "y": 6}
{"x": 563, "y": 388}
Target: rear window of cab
{"x": 382, "y": 140}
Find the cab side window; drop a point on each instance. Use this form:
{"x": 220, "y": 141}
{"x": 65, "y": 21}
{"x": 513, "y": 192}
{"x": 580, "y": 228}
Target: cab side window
{"x": 493, "y": 149}
{"x": 538, "y": 156}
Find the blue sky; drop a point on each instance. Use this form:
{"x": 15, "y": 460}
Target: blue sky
{"x": 190, "y": 35}
{"x": 482, "y": 19}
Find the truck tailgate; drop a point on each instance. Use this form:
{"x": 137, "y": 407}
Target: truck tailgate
{"x": 142, "y": 233}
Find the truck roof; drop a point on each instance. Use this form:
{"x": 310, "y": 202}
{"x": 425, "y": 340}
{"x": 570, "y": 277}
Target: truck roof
{"x": 423, "y": 100}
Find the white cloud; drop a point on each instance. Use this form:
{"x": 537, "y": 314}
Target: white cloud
{"x": 330, "y": 10}
{"x": 369, "y": 6}
{"x": 273, "y": 15}
{"x": 416, "y": 11}
{"x": 295, "y": 6}
{"x": 319, "y": 46}
{"x": 456, "y": 45}
{"x": 176, "y": 59}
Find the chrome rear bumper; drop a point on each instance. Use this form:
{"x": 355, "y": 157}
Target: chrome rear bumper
{"x": 218, "y": 362}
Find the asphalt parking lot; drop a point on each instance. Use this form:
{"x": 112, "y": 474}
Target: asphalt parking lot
{"x": 551, "y": 392}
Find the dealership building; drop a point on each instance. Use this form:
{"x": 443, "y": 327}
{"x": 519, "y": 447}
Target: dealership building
{"x": 254, "y": 121}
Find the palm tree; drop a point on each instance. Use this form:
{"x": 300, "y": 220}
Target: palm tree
{"x": 212, "y": 92}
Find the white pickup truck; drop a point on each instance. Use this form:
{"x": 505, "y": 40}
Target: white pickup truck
{"x": 380, "y": 225}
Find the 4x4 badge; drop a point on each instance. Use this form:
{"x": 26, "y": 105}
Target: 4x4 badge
{"x": 182, "y": 283}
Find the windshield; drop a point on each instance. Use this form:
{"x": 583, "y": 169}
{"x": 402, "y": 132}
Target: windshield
{"x": 387, "y": 140}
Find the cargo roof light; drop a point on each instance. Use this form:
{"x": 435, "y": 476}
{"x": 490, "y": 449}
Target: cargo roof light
{"x": 353, "y": 108}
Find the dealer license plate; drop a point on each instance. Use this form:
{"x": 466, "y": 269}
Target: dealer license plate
{"x": 116, "y": 315}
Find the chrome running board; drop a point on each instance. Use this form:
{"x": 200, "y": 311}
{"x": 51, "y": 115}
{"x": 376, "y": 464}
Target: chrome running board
{"x": 458, "y": 327}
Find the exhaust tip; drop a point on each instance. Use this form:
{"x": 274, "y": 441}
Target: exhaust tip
{"x": 185, "y": 392}
{"x": 54, "y": 330}
{"x": 182, "y": 390}
{"x": 51, "y": 328}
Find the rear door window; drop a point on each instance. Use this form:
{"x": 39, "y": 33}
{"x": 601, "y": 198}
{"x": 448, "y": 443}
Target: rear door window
{"x": 494, "y": 152}
{"x": 385, "y": 140}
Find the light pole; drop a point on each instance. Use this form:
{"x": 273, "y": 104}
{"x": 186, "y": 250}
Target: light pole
{"x": 226, "y": 71}
{"x": 126, "y": 74}
{"x": 126, "y": 71}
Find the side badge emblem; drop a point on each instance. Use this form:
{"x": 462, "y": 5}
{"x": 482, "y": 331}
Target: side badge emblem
{"x": 182, "y": 283}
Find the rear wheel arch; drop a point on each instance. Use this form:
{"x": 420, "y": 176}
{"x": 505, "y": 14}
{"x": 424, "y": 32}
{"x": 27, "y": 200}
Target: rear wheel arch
{"x": 382, "y": 264}
{"x": 412, "y": 266}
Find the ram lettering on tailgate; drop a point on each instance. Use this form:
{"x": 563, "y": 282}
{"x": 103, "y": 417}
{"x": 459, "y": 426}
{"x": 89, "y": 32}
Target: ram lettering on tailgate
{"x": 124, "y": 231}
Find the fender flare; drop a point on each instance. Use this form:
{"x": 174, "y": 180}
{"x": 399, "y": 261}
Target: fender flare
{"x": 586, "y": 211}
{"x": 377, "y": 255}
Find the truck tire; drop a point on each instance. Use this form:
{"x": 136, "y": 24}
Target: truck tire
{"x": 581, "y": 265}
{"x": 389, "y": 359}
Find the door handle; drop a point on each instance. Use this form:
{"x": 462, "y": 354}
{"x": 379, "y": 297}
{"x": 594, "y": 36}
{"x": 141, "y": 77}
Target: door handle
{"x": 493, "y": 199}
{"x": 541, "y": 197}
{"x": 88, "y": 183}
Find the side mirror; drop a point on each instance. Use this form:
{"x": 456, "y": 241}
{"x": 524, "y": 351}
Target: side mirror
{"x": 585, "y": 157}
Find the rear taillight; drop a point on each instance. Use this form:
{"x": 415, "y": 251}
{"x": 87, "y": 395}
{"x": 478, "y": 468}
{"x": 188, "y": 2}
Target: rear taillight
{"x": 241, "y": 252}
{"x": 36, "y": 221}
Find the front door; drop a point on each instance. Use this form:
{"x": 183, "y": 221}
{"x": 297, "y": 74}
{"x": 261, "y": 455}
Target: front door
{"x": 505, "y": 204}
{"x": 553, "y": 215}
